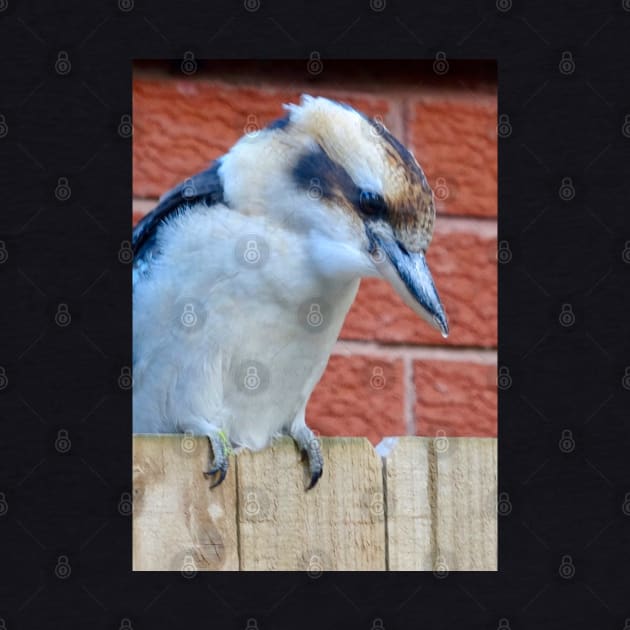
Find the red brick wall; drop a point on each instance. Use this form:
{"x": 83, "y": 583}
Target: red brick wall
{"x": 390, "y": 374}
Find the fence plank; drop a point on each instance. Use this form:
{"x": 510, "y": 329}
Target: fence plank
{"x": 433, "y": 508}
{"x": 338, "y": 525}
{"x": 407, "y": 480}
{"x": 178, "y": 522}
{"x": 466, "y": 504}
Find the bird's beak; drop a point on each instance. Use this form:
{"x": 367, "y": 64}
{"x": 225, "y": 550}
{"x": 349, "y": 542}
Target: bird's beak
{"x": 409, "y": 274}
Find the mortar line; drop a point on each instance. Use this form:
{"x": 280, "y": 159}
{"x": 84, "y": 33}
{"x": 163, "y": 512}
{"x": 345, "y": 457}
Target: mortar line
{"x": 486, "y": 227}
{"x": 409, "y": 396}
{"x": 350, "y": 347}
{"x": 397, "y": 113}
{"x": 406, "y": 116}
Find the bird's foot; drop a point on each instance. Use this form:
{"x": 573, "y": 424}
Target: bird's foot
{"x": 221, "y": 452}
{"x": 308, "y": 443}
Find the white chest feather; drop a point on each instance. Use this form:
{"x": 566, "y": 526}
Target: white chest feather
{"x": 233, "y": 324}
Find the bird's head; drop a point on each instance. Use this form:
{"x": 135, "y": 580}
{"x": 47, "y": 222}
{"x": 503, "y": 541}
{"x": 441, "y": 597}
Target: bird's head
{"x": 344, "y": 182}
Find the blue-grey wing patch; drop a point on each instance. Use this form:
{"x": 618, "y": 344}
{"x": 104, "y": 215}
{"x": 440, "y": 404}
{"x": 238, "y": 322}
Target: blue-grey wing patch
{"x": 202, "y": 187}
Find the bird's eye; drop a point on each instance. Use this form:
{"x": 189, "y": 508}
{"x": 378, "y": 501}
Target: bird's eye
{"x": 372, "y": 203}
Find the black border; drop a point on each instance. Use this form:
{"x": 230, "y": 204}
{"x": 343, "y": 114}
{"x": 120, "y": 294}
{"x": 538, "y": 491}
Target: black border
{"x": 562, "y": 503}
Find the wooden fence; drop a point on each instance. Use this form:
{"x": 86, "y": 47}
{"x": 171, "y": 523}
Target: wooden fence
{"x": 426, "y": 504}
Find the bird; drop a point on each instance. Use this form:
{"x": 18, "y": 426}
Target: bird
{"x": 243, "y": 275}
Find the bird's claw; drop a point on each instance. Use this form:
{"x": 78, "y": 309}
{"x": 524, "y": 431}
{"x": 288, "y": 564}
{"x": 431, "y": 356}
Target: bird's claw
{"x": 315, "y": 475}
{"x": 220, "y": 451}
{"x": 218, "y": 469}
{"x": 312, "y": 451}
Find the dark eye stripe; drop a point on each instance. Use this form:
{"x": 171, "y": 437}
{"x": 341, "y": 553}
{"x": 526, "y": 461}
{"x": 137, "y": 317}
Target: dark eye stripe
{"x": 372, "y": 203}
{"x": 316, "y": 171}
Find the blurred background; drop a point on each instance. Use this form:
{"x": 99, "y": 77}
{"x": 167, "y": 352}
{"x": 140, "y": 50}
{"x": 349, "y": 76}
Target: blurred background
{"x": 390, "y": 373}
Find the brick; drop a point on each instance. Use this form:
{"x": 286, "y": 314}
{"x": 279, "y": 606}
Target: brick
{"x": 180, "y": 126}
{"x": 359, "y": 396}
{"x": 464, "y": 267}
{"x": 455, "y": 140}
{"x": 459, "y": 398}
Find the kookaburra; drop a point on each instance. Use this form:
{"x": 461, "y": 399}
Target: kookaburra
{"x": 244, "y": 273}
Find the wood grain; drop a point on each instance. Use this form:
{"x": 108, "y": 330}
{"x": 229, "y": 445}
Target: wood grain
{"x": 465, "y": 518}
{"x": 408, "y": 482}
{"x": 428, "y": 504}
{"x": 179, "y": 524}
{"x": 338, "y": 525}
